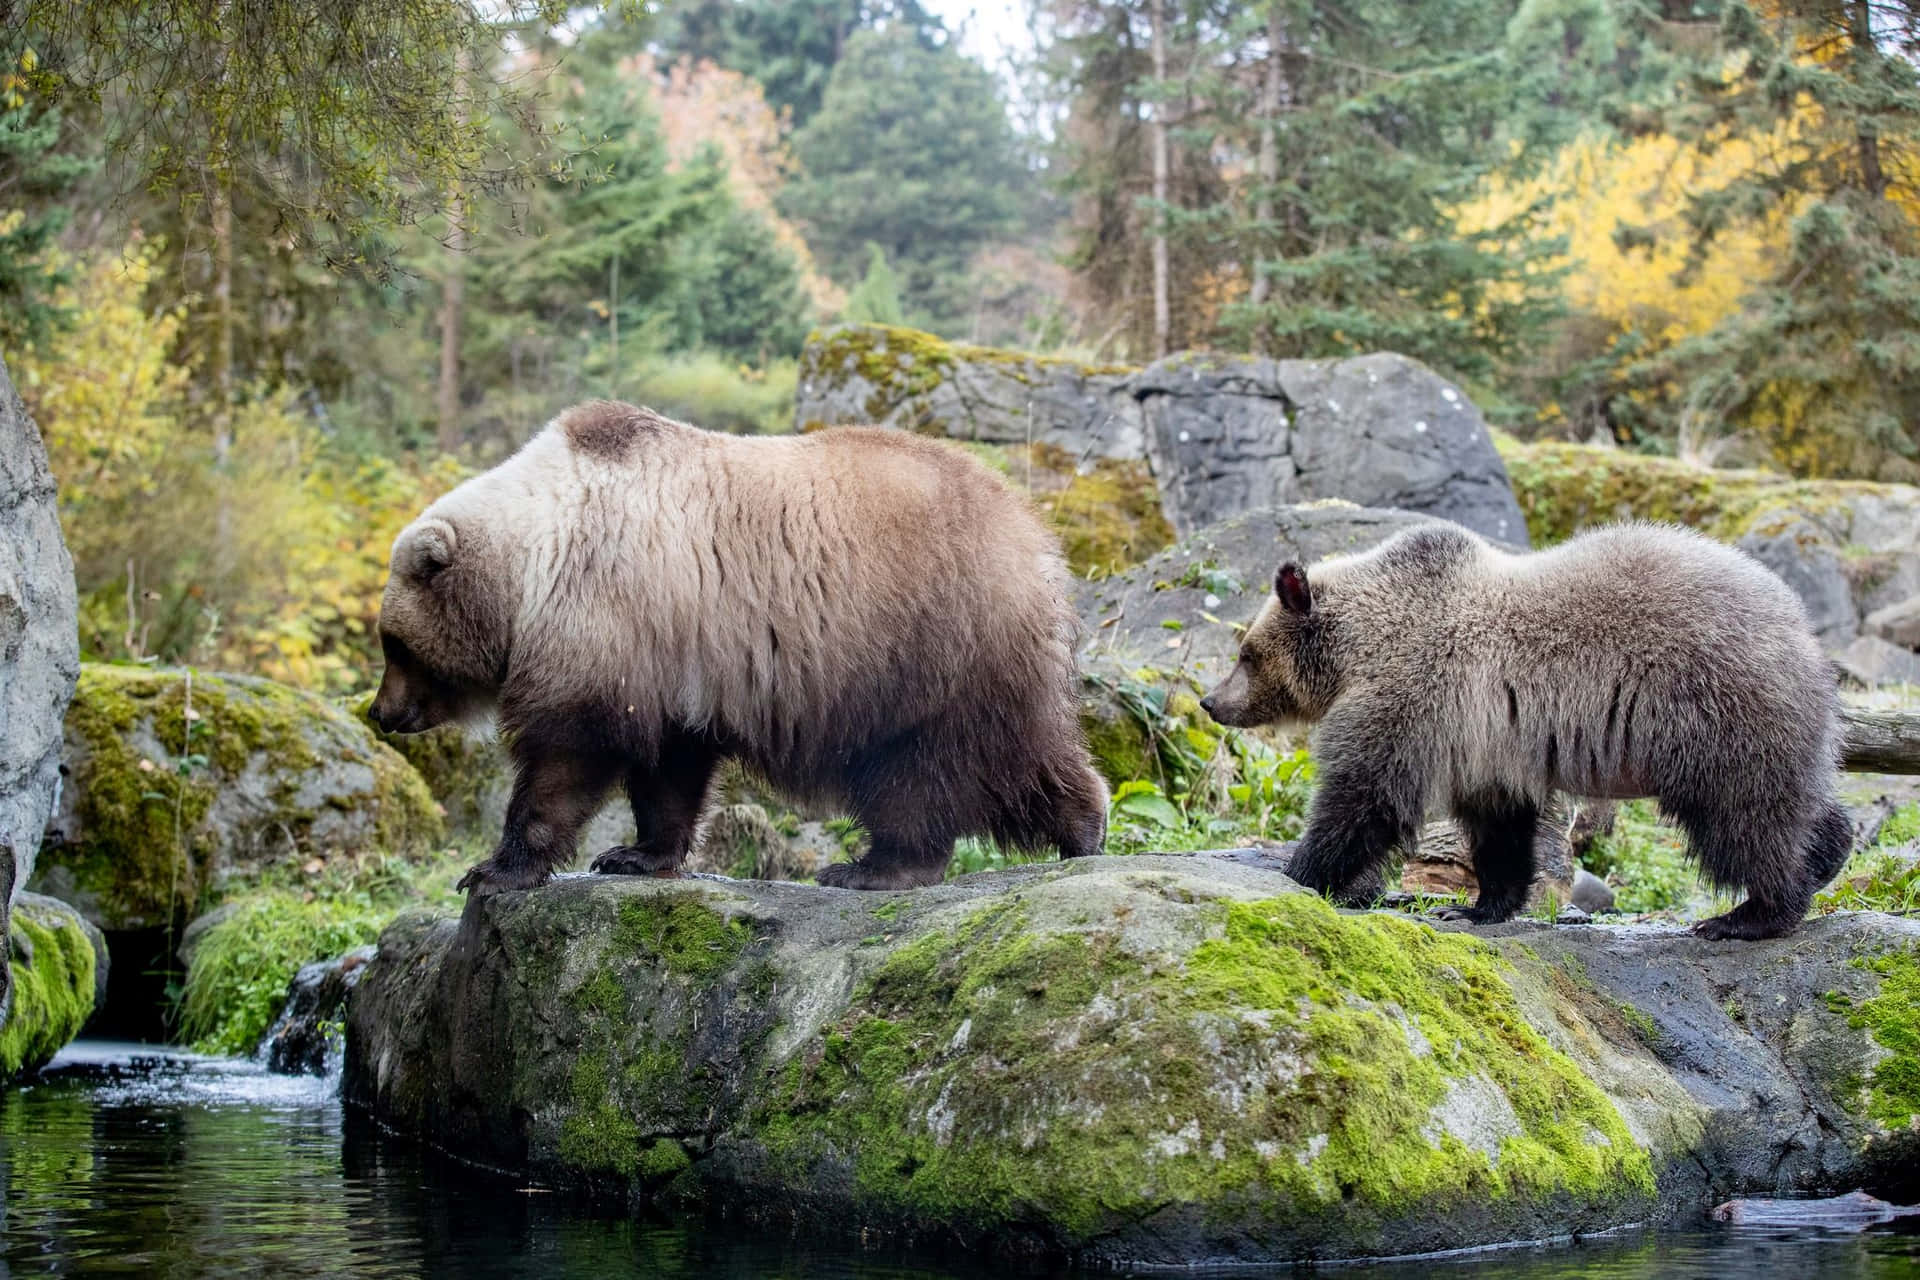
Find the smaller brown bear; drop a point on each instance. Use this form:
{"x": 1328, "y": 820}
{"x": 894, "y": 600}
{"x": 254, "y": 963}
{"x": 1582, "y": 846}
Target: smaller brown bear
{"x": 862, "y": 616}
{"x": 1635, "y": 660}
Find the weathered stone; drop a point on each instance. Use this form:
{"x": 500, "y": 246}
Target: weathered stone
{"x": 1229, "y": 434}
{"x": 904, "y": 378}
{"x": 39, "y": 647}
{"x": 1897, "y": 623}
{"x": 57, "y": 964}
{"x": 1161, "y": 1059}
{"x": 1223, "y": 435}
{"x": 1590, "y": 893}
{"x": 1177, "y": 612}
{"x": 1871, "y": 661}
{"x": 185, "y": 786}
{"x": 1807, "y": 558}
{"x": 307, "y": 1037}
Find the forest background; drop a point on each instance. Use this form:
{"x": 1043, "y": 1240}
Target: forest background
{"x": 273, "y": 275}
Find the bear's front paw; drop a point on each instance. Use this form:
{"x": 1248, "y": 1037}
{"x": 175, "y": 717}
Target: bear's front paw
{"x": 632, "y": 860}
{"x": 1470, "y": 915}
{"x": 494, "y": 876}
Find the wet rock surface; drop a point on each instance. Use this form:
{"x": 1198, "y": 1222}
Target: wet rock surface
{"x": 307, "y": 1037}
{"x": 1171, "y": 1059}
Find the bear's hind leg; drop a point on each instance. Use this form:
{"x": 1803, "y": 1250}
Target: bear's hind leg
{"x": 554, "y": 795}
{"x": 1762, "y": 849}
{"x": 1499, "y": 830}
{"x": 668, "y": 800}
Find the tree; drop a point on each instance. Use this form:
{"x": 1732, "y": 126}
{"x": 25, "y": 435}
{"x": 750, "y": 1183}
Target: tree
{"x": 791, "y": 46}
{"x": 876, "y": 300}
{"x": 911, "y": 150}
{"x": 34, "y": 176}
{"x": 741, "y": 293}
{"x": 1821, "y": 361}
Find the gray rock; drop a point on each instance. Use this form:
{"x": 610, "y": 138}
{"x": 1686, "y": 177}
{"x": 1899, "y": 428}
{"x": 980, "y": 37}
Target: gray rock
{"x": 306, "y": 1038}
{"x": 1223, "y": 435}
{"x": 1162, "y": 1059}
{"x": 1897, "y": 623}
{"x": 1872, "y": 662}
{"x": 903, "y": 378}
{"x": 1807, "y": 558}
{"x": 39, "y": 648}
{"x": 1228, "y": 435}
{"x": 1590, "y": 893}
{"x": 1177, "y": 612}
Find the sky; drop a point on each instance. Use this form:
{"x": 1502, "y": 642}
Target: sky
{"x": 990, "y": 26}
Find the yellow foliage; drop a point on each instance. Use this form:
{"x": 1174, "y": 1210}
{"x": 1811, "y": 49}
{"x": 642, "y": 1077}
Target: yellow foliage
{"x": 272, "y": 562}
{"x": 1600, "y": 187}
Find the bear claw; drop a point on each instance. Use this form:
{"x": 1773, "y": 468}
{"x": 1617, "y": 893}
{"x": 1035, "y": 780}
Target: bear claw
{"x": 858, "y": 874}
{"x": 491, "y": 877}
{"x": 631, "y": 860}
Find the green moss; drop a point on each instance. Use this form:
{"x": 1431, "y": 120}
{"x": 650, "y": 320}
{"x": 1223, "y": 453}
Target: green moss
{"x": 457, "y": 768}
{"x": 597, "y": 1136}
{"x": 1564, "y": 488}
{"x": 51, "y": 964}
{"x": 688, "y": 935}
{"x": 1107, "y": 512}
{"x": 238, "y": 971}
{"x": 160, "y": 745}
{"x": 1301, "y": 1063}
{"x": 1893, "y": 1016}
{"x": 664, "y": 1159}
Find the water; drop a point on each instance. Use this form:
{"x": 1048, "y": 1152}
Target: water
{"x": 130, "y": 1161}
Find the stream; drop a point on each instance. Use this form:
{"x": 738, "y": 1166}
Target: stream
{"x": 126, "y": 1159}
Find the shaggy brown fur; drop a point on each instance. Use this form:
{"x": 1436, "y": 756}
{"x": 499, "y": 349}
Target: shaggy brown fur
{"x": 1635, "y": 660}
{"x": 860, "y": 615}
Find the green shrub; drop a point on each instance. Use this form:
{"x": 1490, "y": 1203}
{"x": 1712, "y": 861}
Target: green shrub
{"x": 712, "y": 391}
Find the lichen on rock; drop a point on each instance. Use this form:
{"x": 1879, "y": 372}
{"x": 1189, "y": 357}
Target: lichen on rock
{"x": 185, "y": 787}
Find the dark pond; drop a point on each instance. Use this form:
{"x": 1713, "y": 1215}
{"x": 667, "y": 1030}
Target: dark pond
{"x": 131, "y": 1161}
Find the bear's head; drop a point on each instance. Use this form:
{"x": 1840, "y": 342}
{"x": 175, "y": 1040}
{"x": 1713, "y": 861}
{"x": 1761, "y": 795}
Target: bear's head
{"x": 1285, "y": 670}
{"x": 440, "y": 629}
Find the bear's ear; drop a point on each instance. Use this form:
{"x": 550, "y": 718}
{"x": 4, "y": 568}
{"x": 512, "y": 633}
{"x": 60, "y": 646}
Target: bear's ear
{"x": 428, "y": 549}
{"x": 1290, "y": 586}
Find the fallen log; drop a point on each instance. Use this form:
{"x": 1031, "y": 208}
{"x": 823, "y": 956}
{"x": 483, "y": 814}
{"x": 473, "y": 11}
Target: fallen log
{"x": 1880, "y": 741}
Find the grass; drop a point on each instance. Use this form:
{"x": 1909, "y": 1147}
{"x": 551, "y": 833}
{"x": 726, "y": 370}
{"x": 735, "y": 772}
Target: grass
{"x": 1885, "y": 877}
{"x": 719, "y": 394}
{"x": 238, "y": 973}
{"x": 1646, "y": 862}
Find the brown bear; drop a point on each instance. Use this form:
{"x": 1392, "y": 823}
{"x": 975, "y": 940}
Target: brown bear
{"x": 1632, "y": 660}
{"x": 861, "y": 616}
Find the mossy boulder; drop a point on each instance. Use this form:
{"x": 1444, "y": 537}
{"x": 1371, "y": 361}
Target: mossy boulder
{"x": 58, "y": 964}
{"x": 1848, "y": 548}
{"x": 1155, "y": 1059}
{"x": 184, "y": 787}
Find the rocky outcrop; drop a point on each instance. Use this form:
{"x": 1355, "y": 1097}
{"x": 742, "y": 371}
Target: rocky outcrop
{"x": 1157, "y": 1059}
{"x": 57, "y": 966}
{"x": 185, "y": 786}
{"x": 1849, "y": 549}
{"x": 39, "y": 647}
{"x": 1230, "y": 434}
{"x": 1222, "y": 435}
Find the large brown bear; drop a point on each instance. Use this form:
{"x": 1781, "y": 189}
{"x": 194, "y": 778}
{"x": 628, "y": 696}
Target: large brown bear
{"x": 1633, "y": 660}
{"x": 860, "y": 615}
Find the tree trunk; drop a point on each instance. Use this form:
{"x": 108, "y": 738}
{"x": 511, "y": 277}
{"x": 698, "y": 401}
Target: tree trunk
{"x": 1866, "y": 52}
{"x": 1162, "y": 318}
{"x": 1267, "y": 164}
{"x": 453, "y": 288}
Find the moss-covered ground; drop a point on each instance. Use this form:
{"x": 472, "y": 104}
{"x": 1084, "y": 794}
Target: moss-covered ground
{"x": 51, "y": 963}
{"x": 1302, "y": 1060}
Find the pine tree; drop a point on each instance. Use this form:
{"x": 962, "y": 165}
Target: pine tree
{"x": 911, "y": 150}
{"x": 876, "y": 299}
{"x": 1821, "y": 362}
{"x": 35, "y": 173}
